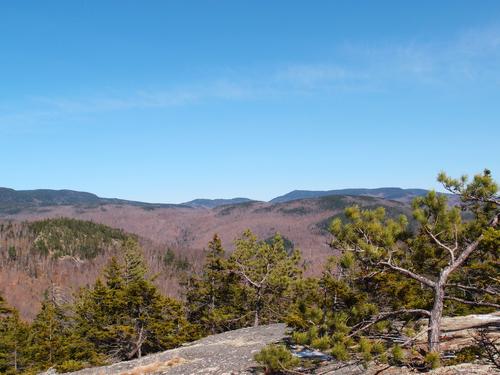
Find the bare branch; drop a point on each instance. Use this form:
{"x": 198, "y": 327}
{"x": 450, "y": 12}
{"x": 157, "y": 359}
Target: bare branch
{"x": 489, "y": 345}
{"x": 474, "y": 289}
{"x": 468, "y": 250}
{"x": 383, "y": 316}
{"x": 494, "y": 279}
{"x": 268, "y": 271}
{"x": 493, "y": 200}
{"x": 463, "y": 256}
{"x": 403, "y": 271}
{"x": 472, "y": 303}
{"x": 439, "y": 243}
{"x": 459, "y": 191}
{"x": 242, "y": 273}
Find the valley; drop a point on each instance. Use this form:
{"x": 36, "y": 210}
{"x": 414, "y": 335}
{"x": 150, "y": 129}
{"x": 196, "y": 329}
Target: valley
{"x": 183, "y": 229}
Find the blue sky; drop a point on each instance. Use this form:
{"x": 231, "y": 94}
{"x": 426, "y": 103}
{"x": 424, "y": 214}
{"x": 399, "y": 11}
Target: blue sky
{"x": 169, "y": 101}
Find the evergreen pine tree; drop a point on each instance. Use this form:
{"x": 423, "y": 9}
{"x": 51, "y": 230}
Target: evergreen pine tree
{"x": 13, "y": 339}
{"x": 126, "y": 316}
{"x": 54, "y": 341}
{"x": 212, "y": 296}
{"x": 47, "y": 346}
{"x": 266, "y": 272}
{"x": 387, "y": 274}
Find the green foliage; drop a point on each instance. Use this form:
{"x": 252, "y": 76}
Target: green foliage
{"x": 126, "y": 316}
{"x": 299, "y": 211}
{"x": 12, "y": 253}
{"x": 169, "y": 257}
{"x": 122, "y": 318}
{"x": 69, "y": 366}
{"x": 466, "y": 354}
{"x": 301, "y": 338}
{"x": 329, "y": 307}
{"x": 370, "y": 287}
{"x": 13, "y": 339}
{"x": 335, "y": 202}
{"x": 361, "y": 294}
{"x": 266, "y": 272}
{"x": 339, "y": 351}
{"x": 321, "y": 343}
{"x": 253, "y": 286}
{"x": 276, "y": 359}
{"x": 289, "y": 245}
{"x": 398, "y": 354}
{"x": 171, "y": 260}
{"x": 212, "y": 298}
{"x": 53, "y": 342}
{"x": 82, "y": 239}
{"x": 432, "y": 360}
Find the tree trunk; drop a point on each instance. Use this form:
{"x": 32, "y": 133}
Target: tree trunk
{"x": 257, "y": 308}
{"x": 212, "y": 306}
{"x": 435, "y": 318}
{"x": 256, "y": 319}
{"x": 140, "y": 342}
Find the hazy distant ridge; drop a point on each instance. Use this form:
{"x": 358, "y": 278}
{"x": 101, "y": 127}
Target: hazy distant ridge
{"x": 394, "y": 193}
{"x": 212, "y": 203}
{"x": 15, "y": 200}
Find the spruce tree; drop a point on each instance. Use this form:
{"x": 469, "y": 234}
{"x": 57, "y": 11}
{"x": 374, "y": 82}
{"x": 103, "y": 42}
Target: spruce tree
{"x": 211, "y": 297}
{"x": 13, "y": 340}
{"x": 54, "y": 341}
{"x": 127, "y": 317}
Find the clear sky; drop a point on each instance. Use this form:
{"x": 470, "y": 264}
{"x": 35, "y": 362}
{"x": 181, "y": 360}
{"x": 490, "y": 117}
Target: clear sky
{"x": 167, "y": 101}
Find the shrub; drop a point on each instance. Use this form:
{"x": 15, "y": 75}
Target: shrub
{"x": 397, "y": 354}
{"x": 432, "y": 360}
{"x": 300, "y": 338}
{"x": 276, "y": 359}
{"x": 69, "y": 366}
{"x": 339, "y": 351}
{"x": 321, "y": 343}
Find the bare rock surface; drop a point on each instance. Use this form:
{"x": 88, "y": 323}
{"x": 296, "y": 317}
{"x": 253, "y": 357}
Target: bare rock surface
{"x": 462, "y": 369}
{"x": 231, "y": 353}
{"x": 458, "y": 332}
{"x": 227, "y": 353}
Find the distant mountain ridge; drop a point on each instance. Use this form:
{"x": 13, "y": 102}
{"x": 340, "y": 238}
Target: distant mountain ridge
{"x": 12, "y": 201}
{"x": 212, "y": 203}
{"x": 393, "y": 193}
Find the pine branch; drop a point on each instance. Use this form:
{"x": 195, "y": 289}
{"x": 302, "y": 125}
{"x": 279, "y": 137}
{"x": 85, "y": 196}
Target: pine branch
{"x": 404, "y": 271}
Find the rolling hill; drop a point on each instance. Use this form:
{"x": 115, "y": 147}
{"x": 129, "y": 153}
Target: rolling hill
{"x": 32, "y": 258}
{"x": 301, "y": 216}
{"x": 393, "y": 193}
{"x": 14, "y": 201}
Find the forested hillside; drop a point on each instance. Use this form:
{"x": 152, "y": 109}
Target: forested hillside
{"x": 64, "y": 254}
{"x": 36, "y": 252}
{"x": 99, "y": 295}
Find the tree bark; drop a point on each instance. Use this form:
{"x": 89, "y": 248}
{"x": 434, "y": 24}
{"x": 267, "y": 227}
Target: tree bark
{"x": 139, "y": 343}
{"x": 15, "y": 359}
{"x": 257, "y": 309}
{"x": 212, "y": 305}
{"x": 436, "y": 316}
{"x": 256, "y": 319}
